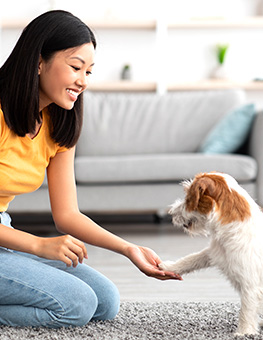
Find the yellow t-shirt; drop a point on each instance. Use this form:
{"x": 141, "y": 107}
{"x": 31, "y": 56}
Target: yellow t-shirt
{"x": 23, "y": 160}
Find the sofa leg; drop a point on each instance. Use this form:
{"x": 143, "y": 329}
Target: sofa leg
{"x": 159, "y": 216}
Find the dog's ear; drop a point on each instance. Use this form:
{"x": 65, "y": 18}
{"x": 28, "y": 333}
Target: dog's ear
{"x": 199, "y": 196}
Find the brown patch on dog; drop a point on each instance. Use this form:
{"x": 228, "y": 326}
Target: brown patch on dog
{"x": 197, "y": 198}
{"x": 211, "y": 190}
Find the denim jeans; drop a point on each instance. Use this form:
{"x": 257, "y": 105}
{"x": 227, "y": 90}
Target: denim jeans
{"x": 39, "y": 292}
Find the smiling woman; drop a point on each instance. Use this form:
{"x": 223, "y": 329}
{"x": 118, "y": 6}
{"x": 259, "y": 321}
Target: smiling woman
{"x": 71, "y": 69}
{"x": 43, "y": 281}
{"x": 45, "y": 37}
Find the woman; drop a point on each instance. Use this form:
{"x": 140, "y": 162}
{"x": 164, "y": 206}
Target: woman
{"x": 43, "y": 281}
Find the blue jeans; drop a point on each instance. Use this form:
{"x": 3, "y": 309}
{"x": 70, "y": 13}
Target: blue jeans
{"x": 39, "y": 292}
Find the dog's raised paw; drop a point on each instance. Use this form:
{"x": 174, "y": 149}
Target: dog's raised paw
{"x": 167, "y": 265}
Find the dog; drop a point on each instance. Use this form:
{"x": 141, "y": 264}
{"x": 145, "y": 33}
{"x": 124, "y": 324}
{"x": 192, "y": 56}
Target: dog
{"x": 216, "y": 205}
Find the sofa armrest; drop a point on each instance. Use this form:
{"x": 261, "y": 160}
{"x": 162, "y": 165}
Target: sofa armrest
{"x": 256, "y": 151}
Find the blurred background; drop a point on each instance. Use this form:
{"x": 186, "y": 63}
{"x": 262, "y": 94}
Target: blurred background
{"x": 160, "y": 46}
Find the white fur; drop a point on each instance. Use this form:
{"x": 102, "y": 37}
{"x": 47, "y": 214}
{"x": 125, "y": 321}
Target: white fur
{"x": 236, "y": 249}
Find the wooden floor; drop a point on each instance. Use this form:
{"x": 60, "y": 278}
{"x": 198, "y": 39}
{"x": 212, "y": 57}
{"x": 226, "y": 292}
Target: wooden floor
{"x": 169, "y": 244}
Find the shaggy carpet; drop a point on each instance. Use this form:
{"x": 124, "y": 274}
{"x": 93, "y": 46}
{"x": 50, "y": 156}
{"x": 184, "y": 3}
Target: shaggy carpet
{"x": 153, "y": 321}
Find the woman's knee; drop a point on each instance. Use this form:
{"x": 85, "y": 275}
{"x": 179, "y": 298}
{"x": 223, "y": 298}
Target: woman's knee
{"x": 106, "y": 293}
{"x": 90, "y": 306}
{"x": 108, "y": 303}
{"x": 79, "y": 306}
{"x": 83, "y": 308}
{"x": 112, "y": 305}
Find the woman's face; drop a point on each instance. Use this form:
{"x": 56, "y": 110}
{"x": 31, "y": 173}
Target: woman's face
{"x": 65, "y": 76}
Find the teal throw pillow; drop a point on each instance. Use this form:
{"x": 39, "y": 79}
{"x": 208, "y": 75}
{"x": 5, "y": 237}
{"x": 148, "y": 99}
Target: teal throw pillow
{"x": 231, "y": 132}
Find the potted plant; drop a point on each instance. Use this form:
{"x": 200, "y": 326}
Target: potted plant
{"x": 219, "y": 71}
{"x": 126, "y": 72}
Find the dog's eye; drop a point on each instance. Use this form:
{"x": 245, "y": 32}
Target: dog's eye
{"x": 188, "y": 225}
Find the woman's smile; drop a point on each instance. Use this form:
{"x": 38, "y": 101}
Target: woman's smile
{"x": 73, "y": 94}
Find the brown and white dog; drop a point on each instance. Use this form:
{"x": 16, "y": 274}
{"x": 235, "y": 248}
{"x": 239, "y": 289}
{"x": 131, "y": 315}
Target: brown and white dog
{"x": 216, "y": 205}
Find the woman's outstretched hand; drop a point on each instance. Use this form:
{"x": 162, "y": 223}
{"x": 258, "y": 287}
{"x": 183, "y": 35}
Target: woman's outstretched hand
{"x": 147, "y": 261}
{"x": 64, "y": 248}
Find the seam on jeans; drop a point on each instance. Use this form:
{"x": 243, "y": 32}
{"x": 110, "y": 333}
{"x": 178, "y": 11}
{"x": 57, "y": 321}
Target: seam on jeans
{"x": 38, "y": 290}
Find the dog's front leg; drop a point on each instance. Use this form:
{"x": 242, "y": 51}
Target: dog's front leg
{"x": 248, "y": 318}
{"x": 189, "y": 263}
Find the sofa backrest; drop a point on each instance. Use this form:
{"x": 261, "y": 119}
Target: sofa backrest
{"x": 143, "y": 123}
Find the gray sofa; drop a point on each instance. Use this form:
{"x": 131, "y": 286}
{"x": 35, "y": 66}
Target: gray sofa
{"x": 135, "y": 149}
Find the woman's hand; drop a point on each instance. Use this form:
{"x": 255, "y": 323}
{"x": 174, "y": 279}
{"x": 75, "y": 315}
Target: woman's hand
{"x": 147, "y": 261}
{"x": 65, "y": 248}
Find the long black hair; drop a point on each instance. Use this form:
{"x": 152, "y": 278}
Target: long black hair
{"x": 19, "y": 82}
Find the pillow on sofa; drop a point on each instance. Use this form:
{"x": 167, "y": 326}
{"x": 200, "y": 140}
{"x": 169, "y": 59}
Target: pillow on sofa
{"x": 231, "y": 132}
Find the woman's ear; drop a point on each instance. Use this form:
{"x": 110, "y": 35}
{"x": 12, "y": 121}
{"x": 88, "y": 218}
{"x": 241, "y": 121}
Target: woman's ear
{"x": 40, "y": 65}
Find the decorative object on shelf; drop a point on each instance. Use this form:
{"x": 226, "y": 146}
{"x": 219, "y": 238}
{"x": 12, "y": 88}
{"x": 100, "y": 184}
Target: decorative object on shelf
{"x": 126, "y": 72}
{"x": 219, "y": 71}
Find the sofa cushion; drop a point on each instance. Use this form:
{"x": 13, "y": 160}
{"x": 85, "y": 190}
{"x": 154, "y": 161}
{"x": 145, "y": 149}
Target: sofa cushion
{"x": 161, "y": 167}
{"x": 231, "y": 132}
{"x": 134, "y": 124}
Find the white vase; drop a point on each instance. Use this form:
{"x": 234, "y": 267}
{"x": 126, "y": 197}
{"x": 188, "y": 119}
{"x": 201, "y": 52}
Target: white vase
{"x": 219, "y": 72}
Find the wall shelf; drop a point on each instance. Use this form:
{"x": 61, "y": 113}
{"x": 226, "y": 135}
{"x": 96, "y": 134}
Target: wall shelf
{"x": 98, "y": 24}
{"x": 121, "y": 24}
{"x": 249, "y": 22}
{"x": 123, "y": 86}
{"x": 130, "y": 86}
{"x": 13, "y": 23}
{"x": 216, "y": 85}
